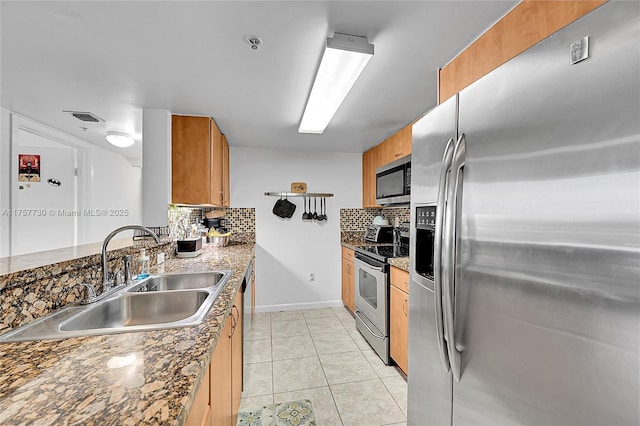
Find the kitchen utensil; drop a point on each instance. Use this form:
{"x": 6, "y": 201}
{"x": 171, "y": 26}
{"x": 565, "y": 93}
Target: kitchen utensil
{"x": 324, "y": 214}
{"x": 218, "y": 240}
{"x": 284, "y": 208}
{"x": 315, "y": 213}
{"x": 310, "y": 215}
{"x": 319, "y": 219}
{"x": 380, "y": 220}
{"x": 213, "y": 223}
{"x": 305, "y": 215}
{"x": 321, "y": 215}
{"x": 214, "y": 214}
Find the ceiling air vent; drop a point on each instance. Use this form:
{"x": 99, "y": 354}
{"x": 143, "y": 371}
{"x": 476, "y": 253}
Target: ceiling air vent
{"x": 85, "y": 116}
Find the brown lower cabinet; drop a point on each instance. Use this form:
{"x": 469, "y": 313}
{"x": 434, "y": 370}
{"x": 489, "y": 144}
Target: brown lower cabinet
{"x": 399, "y": 320}
{"x": 218, "y": 399}
{"x": 348, "y": 279}
{"x": 200, "y": 414}
{"x": 236, "y": 359}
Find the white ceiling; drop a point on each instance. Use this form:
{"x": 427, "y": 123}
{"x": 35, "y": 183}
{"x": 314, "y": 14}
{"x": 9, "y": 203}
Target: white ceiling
{"x": 116, "y": 58}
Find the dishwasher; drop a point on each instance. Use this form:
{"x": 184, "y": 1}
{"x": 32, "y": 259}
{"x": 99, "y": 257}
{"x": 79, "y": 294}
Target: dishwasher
{"x": 247, "y": 283}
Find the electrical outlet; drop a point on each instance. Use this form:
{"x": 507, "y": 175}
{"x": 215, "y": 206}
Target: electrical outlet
{"x": 160, "y": 258}
{"x": 579, "y": 50}
{"x": 312, "y": 276}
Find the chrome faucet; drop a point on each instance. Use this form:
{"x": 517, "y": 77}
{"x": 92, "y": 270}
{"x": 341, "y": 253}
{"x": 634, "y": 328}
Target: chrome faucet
{"x": 106, "y": 283}
{"x": 128, "y": 276}
{"x": 91, "y": 293}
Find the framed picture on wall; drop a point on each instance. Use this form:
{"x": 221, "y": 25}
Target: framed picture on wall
{"x": 28, "y": 168}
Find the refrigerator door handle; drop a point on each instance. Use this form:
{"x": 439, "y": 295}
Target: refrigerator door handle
{"x": 454, "y": 191}
{"x": 437, "y": 250}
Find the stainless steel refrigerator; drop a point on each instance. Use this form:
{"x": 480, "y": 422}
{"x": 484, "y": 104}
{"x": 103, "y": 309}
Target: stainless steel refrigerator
{"x": 527, "y": 186}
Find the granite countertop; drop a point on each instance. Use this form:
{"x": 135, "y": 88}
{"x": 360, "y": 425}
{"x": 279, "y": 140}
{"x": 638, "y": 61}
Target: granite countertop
{"x": 351, "y": 244}
{"x": 122, "y": 379}
{"x": 398, "y": 262}
{"x": 9, "y": 265}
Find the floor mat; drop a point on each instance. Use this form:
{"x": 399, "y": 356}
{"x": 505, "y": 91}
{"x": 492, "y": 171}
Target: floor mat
{"x": 293, "y": 413}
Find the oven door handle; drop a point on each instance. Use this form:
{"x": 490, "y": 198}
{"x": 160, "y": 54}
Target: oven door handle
{"x": 369, "y": 265}
{"x": 373, "y": 333}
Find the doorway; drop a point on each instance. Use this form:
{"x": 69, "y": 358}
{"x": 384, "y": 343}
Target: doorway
{"x": 45, "y": 213}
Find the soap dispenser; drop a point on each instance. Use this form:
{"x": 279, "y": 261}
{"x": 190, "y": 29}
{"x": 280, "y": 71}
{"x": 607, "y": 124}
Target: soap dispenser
{"x": 143, "y": 260}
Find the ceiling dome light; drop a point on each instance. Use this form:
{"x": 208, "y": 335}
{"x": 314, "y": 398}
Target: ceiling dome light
{"x": 121, "y": 140}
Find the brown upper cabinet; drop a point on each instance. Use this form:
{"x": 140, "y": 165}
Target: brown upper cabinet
{"x": 394, "y": 147}
{"x": 226, "y": 194}
{"x": 525, "y": 25}
{"x": 370, "y": 161}
{"x": 199, "y": 162}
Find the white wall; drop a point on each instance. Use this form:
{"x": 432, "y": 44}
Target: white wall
{"x": 156, "y": 166}
{"x": 45, "y": 231}
{"x": 289, "y": 250}
{"x": 114, "y": 185}
{"x": 5, "y": 181}
{"x": 109, "y": 182}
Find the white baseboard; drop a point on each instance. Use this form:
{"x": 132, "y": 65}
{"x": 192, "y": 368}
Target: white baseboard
{"x": 299, "y": 306}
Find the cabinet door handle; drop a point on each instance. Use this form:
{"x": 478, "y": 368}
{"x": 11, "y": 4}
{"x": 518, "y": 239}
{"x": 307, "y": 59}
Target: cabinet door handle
{"x": 404, "y": 307}
{"x": 234, "y": 319}
{"x": 398, "y": 154}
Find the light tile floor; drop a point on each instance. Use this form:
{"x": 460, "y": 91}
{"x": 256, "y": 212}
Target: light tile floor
{"x": 318, "y": 354}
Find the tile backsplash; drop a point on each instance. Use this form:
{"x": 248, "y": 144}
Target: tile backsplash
{"x": 240, "y": 221}
{"x": 359, "y": 219}
{"x": 403, "y": 214}
{"x": 353, "y": 222}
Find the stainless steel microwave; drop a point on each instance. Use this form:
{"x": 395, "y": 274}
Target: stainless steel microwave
{"x": 393, "y": 182}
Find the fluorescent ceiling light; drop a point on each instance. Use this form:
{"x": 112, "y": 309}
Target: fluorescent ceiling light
{"x": 121, "y": 140}
{"x": 344, "y": 58}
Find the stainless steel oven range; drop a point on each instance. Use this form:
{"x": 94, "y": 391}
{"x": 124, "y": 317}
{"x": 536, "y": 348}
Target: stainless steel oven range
{"x": 372, "y": 293}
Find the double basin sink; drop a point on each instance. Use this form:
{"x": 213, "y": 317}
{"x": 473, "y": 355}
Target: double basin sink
{"x": 157, "y": 302}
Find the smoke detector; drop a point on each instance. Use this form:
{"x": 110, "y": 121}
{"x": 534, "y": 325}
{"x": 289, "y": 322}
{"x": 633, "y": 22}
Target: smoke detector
{"x": 254, "y": 41}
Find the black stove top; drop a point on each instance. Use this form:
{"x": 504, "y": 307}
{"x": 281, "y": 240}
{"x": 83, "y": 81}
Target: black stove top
{"x": 382, "y": 252}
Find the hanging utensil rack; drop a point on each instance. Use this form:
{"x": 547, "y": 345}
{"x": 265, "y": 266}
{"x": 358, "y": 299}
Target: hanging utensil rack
{"x": 299, "y": 194}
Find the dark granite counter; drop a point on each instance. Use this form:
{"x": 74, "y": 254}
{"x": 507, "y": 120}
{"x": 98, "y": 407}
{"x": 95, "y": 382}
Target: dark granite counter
{"x": 123, "y": 379}
{"x": 400, "y": 263}
{"x": 350, "y": 244}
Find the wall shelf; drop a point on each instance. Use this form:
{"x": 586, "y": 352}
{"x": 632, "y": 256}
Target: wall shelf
{"x": 299, "y": 194}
